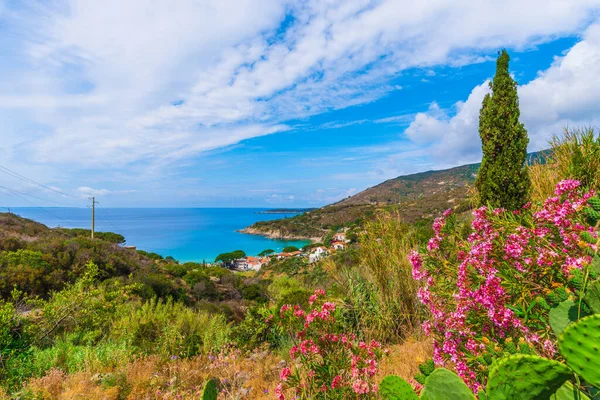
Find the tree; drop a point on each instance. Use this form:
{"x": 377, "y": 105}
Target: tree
{"x": 502, "y": 180}
{"x": 265, "y": 252}
{"x": 289, "y": 249}
{"x": 228, "y": 258}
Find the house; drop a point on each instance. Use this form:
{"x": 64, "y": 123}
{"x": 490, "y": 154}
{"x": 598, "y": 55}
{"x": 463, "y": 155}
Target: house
{"x": 250, "y": 263}
{"x": 340, "y": 237}
{"x": 256, "y": 263}
{"x": 240, "y": 264}
{"x": 316, "y": 254}
{"x": 338, "y": 245}
{"x": 288, "y": 255}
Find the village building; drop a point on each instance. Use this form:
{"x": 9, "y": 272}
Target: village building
{"x": 340, "y": 237}
{"x": 338, "y": 245}
{"x": 316, "y": 254}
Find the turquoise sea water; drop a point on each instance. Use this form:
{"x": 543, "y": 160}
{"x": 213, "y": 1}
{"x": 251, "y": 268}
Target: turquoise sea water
{"x": 187, "y": 234}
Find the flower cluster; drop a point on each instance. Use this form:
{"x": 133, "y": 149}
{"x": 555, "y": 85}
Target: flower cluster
{"x": 482, "y": 290}
{"x": 326, "y": 363}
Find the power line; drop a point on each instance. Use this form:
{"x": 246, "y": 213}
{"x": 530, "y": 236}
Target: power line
{"x": 36, "y": 197}
{"x": 18, "y": 197}
{"x": 107, "y": 218}
{"x": 26, "y": 179}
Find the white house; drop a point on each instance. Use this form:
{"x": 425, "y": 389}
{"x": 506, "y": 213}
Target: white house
{"x": 338, "y": 245}
{"x": 316, "y": 254}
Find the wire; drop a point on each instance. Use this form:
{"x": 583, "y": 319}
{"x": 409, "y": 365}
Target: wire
{"x": 18, "y": 197}
{"x": 107, "y": 218}
{"x": 35, "y": 197}
{"x": 26, "y": 179}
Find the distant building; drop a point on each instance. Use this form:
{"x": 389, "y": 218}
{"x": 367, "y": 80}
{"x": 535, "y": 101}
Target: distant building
{"x": 281, "y": 256}
{"x": 250, "y": 263}
{"x": 340, "y": 237}
{"x": 316, "y": 254}
{"x": 256, "y": 263}
{"x": 338, "y": 245}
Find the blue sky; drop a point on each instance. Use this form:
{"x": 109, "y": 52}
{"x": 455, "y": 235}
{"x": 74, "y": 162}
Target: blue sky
{"x": 271, "y": 103}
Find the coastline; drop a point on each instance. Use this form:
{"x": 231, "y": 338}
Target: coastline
{"x": 277, "y": 235}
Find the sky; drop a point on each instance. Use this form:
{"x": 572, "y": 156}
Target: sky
{"x": 265, "y": 103}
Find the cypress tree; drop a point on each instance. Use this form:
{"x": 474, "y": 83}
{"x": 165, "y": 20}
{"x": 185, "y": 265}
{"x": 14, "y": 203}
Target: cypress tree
{"x": 502, "y": 180}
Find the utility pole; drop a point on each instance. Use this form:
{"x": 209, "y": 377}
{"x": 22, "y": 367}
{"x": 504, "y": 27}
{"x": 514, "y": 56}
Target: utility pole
{"x": 93, "y": 214}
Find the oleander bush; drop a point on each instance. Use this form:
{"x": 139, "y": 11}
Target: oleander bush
{"x": 493, "y": 293}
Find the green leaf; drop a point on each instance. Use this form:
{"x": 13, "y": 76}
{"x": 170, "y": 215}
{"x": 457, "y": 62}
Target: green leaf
{"x": 562, "y": 315}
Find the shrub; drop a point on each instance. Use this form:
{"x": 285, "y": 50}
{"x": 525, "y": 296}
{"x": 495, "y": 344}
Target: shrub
{"x": 327, "y": 364}
{"x": 168, "y": 328}
{"x": 577, "y": 155}
{"x": 378, "y": 286}
{"x": 491, "y": 291}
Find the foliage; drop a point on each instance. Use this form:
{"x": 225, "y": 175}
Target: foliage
{"x": 441, "y": 384}
{"x": 210, "y": 391}
{"x": 290, "y": 249}
{"x": 579, "y": 346}
{"x": 379, "y": 286}
{"x": 169, "y": 328}
{"x": 493, "y": 289}
{"x": 525, "y": 376}
{"x": 110, "y": 237}
{"x": 266, "y": 252}
{"x": 502, "y": 180}
{"x": 153, "y": 256}
{"x": 257, "y": 329}
{"x": 576, "y": 155}
{"x": 395, "y": 388}
{"x": 327, "y": 364}
{"x": 228, "y": 258}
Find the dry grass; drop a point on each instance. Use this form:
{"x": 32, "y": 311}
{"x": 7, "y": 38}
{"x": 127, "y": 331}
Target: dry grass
{"x": 544, "y": 178}
{"x": 404, "y": 359}
{"x": 252, "y": 376}
{"x": 381, "y": 290}
{"x": 249, "y": 377}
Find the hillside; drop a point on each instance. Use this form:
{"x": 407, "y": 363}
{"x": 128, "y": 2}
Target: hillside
{"x": 415, "y": 197}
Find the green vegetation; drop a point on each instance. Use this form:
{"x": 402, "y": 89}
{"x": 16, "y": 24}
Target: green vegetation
{"x": 502, "y": 180}
{"x": 266, "y": 252}
{"x": 290, "y": 249}
{"x": 229, "y": 258}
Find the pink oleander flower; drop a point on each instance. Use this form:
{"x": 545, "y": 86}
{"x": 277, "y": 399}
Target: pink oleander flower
{"x": 471, "y": 286}
{"x": 279, "y": 392}
{"x": 337, "y": 382}
{"x": 283, "y": 309}
{"x": 324, "y": 359}
{"x": 285, "y": 373}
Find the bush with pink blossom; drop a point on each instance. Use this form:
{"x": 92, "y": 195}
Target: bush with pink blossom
{"x": 489, "y": 292}
{"x": 326, "y": 363}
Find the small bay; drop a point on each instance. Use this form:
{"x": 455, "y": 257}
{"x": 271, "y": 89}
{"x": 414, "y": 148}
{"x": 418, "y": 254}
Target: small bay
{"x": 187, "y": 234}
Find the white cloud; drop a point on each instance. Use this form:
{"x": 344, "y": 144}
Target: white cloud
{"x": 450, "y": 139}
{"x": 565, "y": 95}
{"x": 85, "y": 191}
{"x": 93, "y": 83}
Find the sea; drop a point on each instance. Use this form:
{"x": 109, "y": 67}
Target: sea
{"x": 186, "y": 234}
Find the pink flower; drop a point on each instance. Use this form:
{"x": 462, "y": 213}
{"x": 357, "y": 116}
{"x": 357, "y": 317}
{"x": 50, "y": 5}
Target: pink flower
{"x": 337, "y": 382}
{"x": 279, "y": 392}
{"x": 285, "y": 373}
{"x": 283, "y": 309}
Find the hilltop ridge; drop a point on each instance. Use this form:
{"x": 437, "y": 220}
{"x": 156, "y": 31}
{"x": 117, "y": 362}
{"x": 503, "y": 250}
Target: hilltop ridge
{"x": 416, "y": 196}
